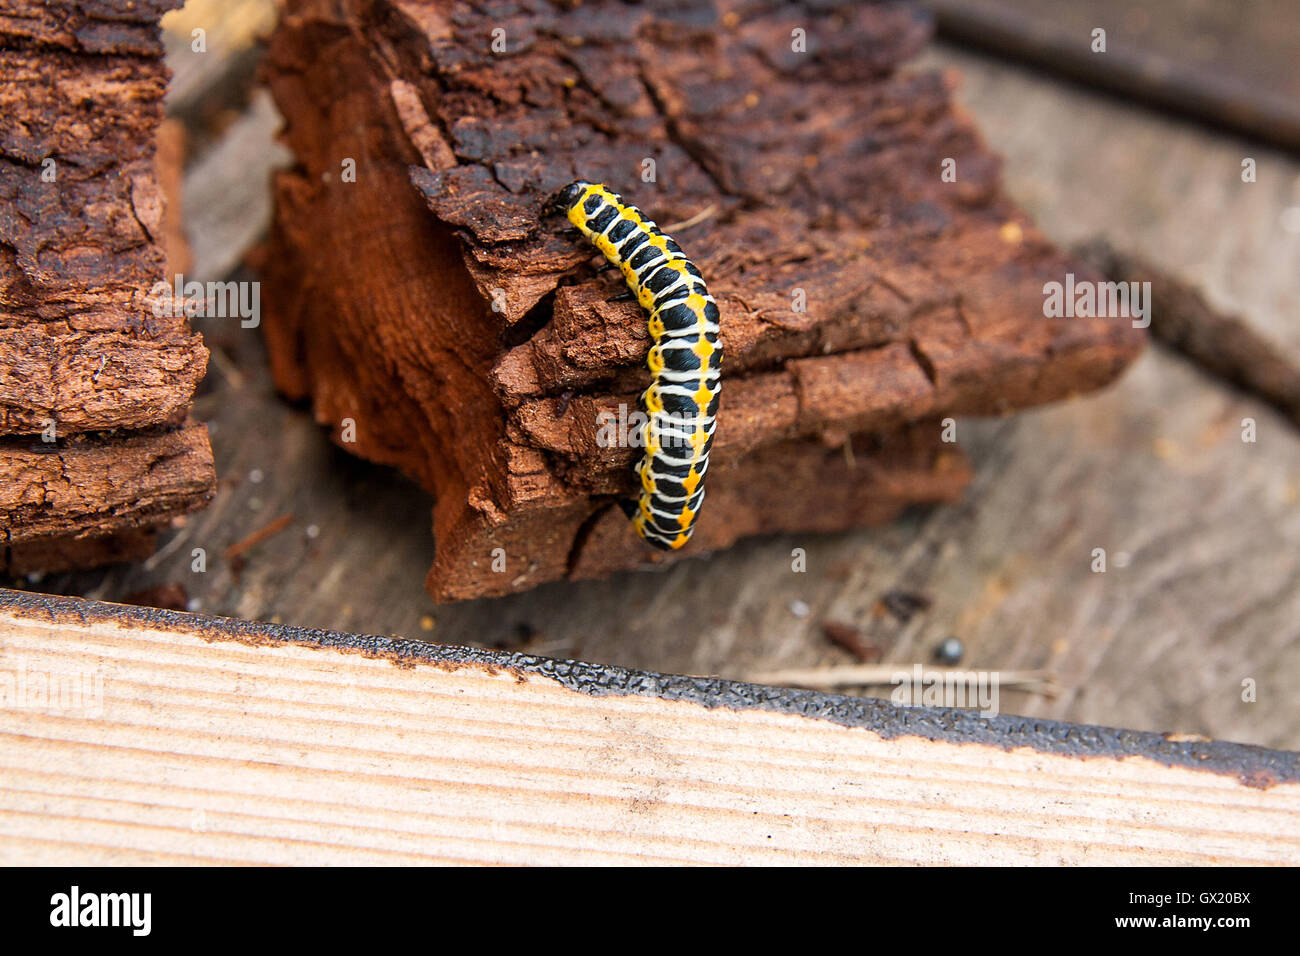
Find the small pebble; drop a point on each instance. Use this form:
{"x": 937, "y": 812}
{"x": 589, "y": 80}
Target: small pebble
{"x": 426, "y": 623}
{"x": 800, "y": 609}
{"x": 256, "y": 476}
{"x": 950, "y": 652}
{"x": 193, "y": 604}
{"x": 313, "y": 531}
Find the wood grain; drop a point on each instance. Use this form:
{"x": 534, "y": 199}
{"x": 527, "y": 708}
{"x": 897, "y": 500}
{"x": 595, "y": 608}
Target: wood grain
{"x": 260, "y": 745}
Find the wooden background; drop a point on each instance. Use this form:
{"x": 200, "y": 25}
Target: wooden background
{"x": 1202, "y": 530}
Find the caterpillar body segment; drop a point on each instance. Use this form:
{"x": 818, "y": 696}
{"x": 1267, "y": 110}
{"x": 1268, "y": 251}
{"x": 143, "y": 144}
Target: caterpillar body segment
{"x": 685, "y": 358}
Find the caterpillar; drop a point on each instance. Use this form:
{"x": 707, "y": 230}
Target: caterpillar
{"x": 685, "y": 359}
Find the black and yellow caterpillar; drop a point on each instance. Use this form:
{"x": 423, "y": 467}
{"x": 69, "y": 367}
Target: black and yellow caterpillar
{"x": 685, "y": 359}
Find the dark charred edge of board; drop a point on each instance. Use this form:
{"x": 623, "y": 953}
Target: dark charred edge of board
{"x": 1252, "y": 766}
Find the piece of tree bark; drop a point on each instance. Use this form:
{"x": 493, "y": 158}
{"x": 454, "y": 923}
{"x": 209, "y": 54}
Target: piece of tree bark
{"x": 441, "y": 325}
{"x": 84, "y": 237}
{"x": 82, "y": 223}
{"x": 72, "y": 552}
{"x": 91, "y": 485}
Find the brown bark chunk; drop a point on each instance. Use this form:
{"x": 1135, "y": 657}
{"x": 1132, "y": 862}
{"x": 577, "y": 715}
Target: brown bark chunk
{"x": 83, "y": 357}
{"x": 432, "y": 304}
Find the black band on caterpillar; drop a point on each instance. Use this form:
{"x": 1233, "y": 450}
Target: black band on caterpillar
{"x": 685, "y": 359}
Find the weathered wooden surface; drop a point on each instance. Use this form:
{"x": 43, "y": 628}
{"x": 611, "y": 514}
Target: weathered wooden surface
{"x": 1229, "y": 347}
{"x": 1153, "y": 467}
{"x": 85, "y": 362}
{"x": 1150, "y": 185}
{"x": 468, "y": 344}
{"x": 1227, "y": 64}
{"x": 165, "y": 738}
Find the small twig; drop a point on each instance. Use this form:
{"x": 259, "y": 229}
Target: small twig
{"x": 695, "y": 220}
{"x": 275, "y": 527}
{"x": 873, "y": 675}
{"x": 850, "y": 638}
{"x": 159, "y": 556}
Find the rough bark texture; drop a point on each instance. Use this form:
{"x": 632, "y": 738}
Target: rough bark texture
{"x": 92, "y": 485}
{"x": 471, "y": 345}
{"x": 83, "y": 239}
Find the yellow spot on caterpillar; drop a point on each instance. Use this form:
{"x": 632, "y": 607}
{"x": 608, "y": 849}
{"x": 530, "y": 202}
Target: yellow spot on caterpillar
{"x": 655, "y": 360}
{"x": 656, "y": 327}
{"x": 698, "y": 438}
{"x": 653, "y": 403}
{"x": 703, "y": 348}
{"x": 680, "y": 540}
{"x": 691, "y": 480}
{"x": 702, "y": 397}
{"x": 685, "y": 518}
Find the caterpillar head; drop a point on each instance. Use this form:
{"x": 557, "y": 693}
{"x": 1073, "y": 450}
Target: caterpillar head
{"x": 563, "y": 200}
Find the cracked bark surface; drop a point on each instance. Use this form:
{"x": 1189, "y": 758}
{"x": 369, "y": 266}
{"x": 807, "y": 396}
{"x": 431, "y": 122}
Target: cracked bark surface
{"x": 82, "y": 232}
{"x": 473, "y": 346}
{"x": 91, "y": 487}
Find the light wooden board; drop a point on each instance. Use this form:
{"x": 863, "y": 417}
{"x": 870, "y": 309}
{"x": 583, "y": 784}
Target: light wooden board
{"x": 216, "y": 741}
{"x": 1154, "y": 468}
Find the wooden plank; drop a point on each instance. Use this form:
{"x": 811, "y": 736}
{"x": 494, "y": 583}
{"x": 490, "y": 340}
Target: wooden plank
{"x": 1230, "y": 64}
{"x": 1084, "y": 164}
{"x": 206, "y": 740}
